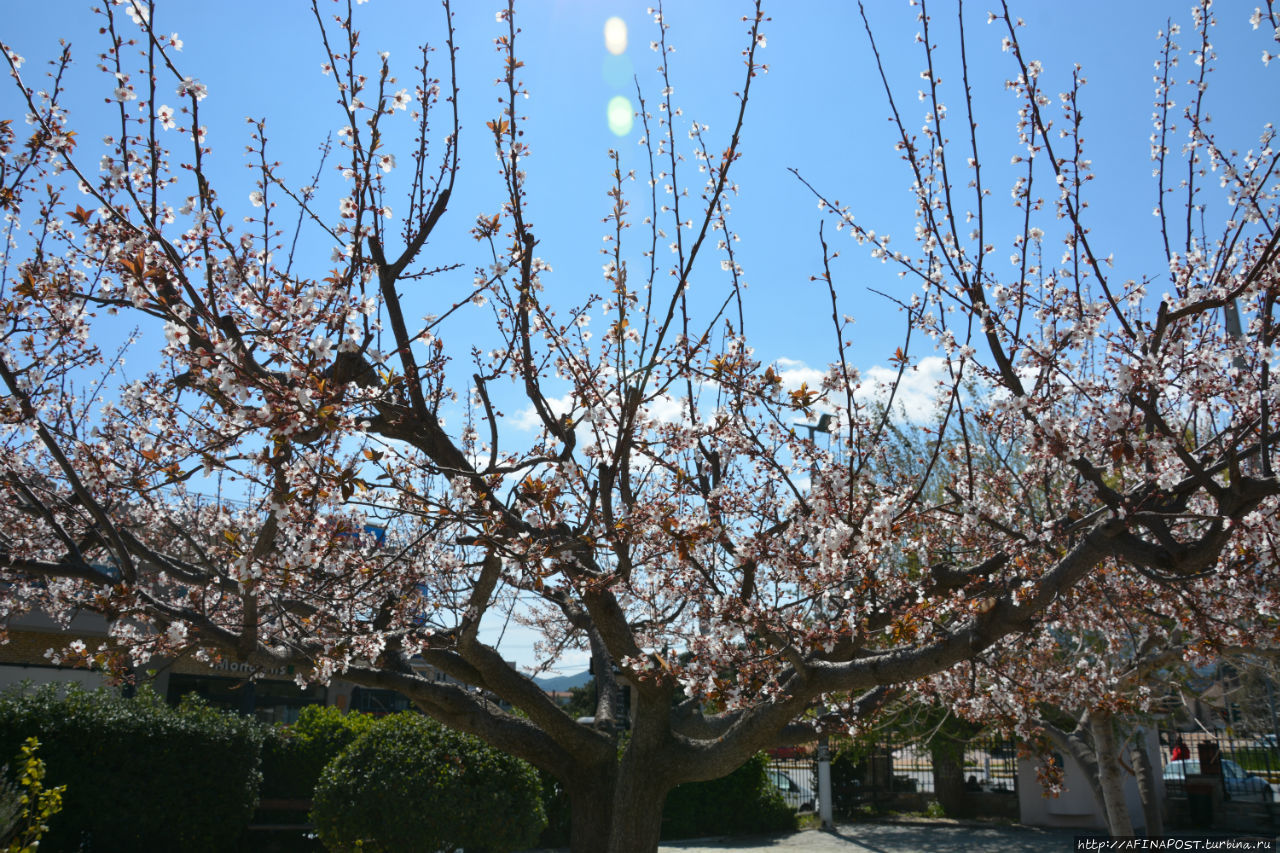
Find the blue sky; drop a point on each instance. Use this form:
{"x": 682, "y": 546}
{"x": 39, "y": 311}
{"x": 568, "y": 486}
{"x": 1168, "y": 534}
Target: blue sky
{"x": 820, "y": 109}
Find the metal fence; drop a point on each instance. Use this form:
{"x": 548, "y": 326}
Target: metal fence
{"x": 875, "y": 774}
{"x": 1223, "y": 780}
{"x": 1249, "y": 765}
{"x": 796, "y": 777}
{"x": 987, "y": 763}
{"x": 1244, "y": 768}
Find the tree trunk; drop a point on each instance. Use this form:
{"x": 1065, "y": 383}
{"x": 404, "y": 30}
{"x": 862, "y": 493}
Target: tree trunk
{"x": 1079, "y": 746}
{"x": 590, "y": 813}
{"x": 612, "y": 811}
{"x": 1146, "y": 776}
{"x": 1107, "y": 749}
{"x": 637, "y": 814}
{"x": 948, "y": 776}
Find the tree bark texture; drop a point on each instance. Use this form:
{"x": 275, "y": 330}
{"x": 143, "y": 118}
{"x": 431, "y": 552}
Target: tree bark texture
{"x": 590, "y": 812}
{"x": 948, "y": 777}
{"x": 1110, "y": 774}
{"x": 636, "y": 816}
{"x": 1146, "y": 775}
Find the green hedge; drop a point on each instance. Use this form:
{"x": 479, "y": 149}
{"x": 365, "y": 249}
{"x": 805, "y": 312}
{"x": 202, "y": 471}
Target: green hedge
{"x": 743, "y": 802}
{"x": 409, "y": 784}
{"x": 555, "y": 804}
{"x": 140, "y": 774}
{"x": 294, "y": 756}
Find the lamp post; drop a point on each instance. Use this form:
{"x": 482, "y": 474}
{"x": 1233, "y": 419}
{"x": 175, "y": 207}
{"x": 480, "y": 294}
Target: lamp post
{"x": 824, "y": 747}
{"x": 823, "y": 425}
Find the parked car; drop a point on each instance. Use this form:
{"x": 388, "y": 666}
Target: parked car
{"x": 1240, "y": 784}
{"x": 792, "y": 791}
{"x": 789, "y": 753}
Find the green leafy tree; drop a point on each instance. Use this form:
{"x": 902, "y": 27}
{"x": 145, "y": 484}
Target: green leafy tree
{"x": 582, "y": 700}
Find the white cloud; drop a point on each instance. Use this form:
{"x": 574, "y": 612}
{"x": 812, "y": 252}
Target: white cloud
{"x": 917, "y": 395}
{"x": 663, "y": 409}
{"x": 527, "y": 418}
{"x": 666, "y": 409}
{"x": 796, "y": 373}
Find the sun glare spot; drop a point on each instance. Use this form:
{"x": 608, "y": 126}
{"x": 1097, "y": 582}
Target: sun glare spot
{"x": 615, "y": 36}
{"x": 620, "y": 115}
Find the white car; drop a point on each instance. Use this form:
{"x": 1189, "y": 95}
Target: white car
{"x": 792, "y": 791}
{"x": 1240, "y": 784}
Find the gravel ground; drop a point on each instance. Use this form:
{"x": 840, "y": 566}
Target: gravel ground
{"x": 914, "y": 835}
{"x": 895, "y": 837}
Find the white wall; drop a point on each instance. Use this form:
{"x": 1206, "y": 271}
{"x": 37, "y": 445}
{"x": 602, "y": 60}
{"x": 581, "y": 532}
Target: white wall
{"x": 1076, "y": 807}
{"x": 11, "y": 674}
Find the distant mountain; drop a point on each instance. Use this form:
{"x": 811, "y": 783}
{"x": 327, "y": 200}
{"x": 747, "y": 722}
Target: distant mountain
{"x": 561, "y": 683}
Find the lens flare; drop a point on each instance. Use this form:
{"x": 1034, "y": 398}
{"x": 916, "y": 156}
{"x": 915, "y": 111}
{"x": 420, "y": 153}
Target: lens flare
{"x": 620, "y": 115}
{"x": 615, "y": 36}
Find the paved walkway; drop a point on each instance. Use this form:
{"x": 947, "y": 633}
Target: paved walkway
{"x": 895, "y": 837}
{"x": 904, "y": 836}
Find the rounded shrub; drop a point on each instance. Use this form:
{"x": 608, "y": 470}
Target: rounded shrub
{"x": 140, "y": 774}
{"x": 410, "y": 784}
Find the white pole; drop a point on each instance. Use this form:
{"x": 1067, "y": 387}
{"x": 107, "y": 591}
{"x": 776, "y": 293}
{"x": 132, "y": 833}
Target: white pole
{"x": 824, "y": 783}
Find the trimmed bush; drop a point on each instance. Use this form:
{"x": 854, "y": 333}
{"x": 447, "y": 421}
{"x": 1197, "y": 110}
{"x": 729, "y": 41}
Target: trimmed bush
{"x": 141, "y": 775}
{"x": 409, "y": 784}
{"x": 742, "y": 802}
{"x": 293, "y": 757}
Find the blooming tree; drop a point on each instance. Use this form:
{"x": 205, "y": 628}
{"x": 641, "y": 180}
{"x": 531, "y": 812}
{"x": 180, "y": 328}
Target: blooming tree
{"x": 666, "y": 517}
{"x": 1094, "y": 692}
{"x": 1102, "y": 661}
{"x": 1105, "y": 651}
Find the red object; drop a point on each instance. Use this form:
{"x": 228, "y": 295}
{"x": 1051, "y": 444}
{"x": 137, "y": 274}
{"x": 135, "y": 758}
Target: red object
{"x": 1180, "y": 752}
{"x": 784, "y": 752}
